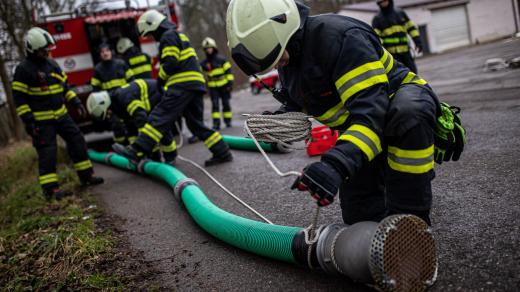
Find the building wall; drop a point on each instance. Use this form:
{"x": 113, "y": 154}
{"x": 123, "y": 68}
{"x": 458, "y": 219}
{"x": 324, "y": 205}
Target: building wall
{"x": 490, "y": 19}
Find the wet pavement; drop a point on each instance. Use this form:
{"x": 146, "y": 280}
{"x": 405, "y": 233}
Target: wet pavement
{"x": 476, "y": 208}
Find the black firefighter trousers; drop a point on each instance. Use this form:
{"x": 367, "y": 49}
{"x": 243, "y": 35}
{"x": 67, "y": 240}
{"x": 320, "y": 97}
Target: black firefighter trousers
{"x": 45, "y": 143}
{"x": 398, "y": 180}
{"x": 219, "y": 94}
{"x": 177, "y": 103}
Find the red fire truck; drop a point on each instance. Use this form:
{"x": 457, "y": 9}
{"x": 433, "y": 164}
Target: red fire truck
{"x": 79, "y": 33}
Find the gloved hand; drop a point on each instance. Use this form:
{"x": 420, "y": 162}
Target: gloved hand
{"x": 32, "y": 129}
{"x": 419, "y": 49}
{"x": 322, "y": 180}
{"x": 281, "y": 94}
{"x": 450, "y": 136}
{"x": 82, "y": 111}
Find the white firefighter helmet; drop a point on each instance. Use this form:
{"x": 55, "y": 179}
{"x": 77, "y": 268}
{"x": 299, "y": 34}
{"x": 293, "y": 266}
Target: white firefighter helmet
{"x": 98, "y": 104}
{"x": 209, "y": 43}
{"x": 258, "y": 32}
{"x": 123, "y": 44}
{"x": 149, "y": 21}
{"x": 37, "y": 38}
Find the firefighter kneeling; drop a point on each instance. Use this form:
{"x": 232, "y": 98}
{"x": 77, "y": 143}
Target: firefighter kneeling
{"x": 39, "y": 89}
{"x": 335, "y": 69}
{"x": 132, "y": 103}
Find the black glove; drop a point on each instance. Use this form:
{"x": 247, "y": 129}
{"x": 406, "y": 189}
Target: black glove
{"x": 281, "y": 94}
{"x": 322, "y": 180}
{"x": 450, "y": 136}
{"x": 32, "y": 129}
{"x": 82, "y": 111}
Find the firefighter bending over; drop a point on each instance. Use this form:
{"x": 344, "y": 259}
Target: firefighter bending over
{"x": 393, "y": 27}
{"x": 111, "y": 72}
{"x": 40, "y": 88}
{"x": 220, "y": 82}
{"x": 140, "y": 63}
{"x": 132, "y": 103}
{"x": 334, "y": 68}
{"x": 182, "y": 86}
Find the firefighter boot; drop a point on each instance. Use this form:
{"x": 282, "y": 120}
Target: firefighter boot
{"x": 129, "y": 152}
{"x": 91, "y": 180}
{"x": 220, "y": 158}
{"x": 56, "y": 193}
{"x": 193, "y": 140}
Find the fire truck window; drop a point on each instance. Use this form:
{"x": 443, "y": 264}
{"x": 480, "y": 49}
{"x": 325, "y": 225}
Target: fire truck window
{"x": 110, "y": 32}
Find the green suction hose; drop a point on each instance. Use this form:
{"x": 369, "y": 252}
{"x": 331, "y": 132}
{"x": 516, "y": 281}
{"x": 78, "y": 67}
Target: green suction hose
{"x": 274, "y": 241}
{"x": 244, "y": 143}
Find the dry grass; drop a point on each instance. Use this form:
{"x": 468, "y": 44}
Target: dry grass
{"x": 47, "y": 245}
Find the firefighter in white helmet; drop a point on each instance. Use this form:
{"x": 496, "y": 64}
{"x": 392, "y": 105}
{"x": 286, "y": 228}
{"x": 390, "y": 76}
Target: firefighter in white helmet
{"x": 39, "y": 89}
{"x": 334, "y": 68}
{"x": 139, "y": 62}
{"x": 182, "y": 86}
{"x": 220, "y": 82}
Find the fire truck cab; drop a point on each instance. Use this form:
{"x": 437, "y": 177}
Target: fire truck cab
{"x": 79, "y": 33}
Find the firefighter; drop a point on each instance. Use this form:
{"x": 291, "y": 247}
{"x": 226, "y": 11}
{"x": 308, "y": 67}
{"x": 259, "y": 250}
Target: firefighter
{"x": 40, "y": 89}
{"x": 132, "y": 103}
{"x": 220, "y": 82}
{"x": 182, "y": 85}
{"x": 335, "y": 69}
{"x": 139, "y": 62}
{"x": 393, "y": 27}
{"x": 111, "y": 72}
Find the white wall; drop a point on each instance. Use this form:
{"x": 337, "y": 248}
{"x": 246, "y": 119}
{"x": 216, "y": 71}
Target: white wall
{"x": 490, "y": 19}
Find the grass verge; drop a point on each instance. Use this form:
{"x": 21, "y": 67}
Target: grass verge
{"x": 48, "y": 245}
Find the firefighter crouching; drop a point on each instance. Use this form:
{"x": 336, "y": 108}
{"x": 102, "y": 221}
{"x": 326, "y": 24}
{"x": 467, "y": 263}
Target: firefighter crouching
{"x": 132, "y": 103}
{"x": 139, "y": 62}
{"x": 182, "y": 85}
{"x": 111, "y": 72}
{"x": 334, "y": 68}
{"x": 393, "y": 27}
{"x": 220, "y": 82}
{"x": 40, "y": 89}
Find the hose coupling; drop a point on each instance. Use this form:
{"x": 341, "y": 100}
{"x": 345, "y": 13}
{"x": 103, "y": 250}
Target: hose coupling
{"x": 181, "y": 185}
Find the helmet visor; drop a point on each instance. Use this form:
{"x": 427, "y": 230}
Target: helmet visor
{"x": 251, "y": 64}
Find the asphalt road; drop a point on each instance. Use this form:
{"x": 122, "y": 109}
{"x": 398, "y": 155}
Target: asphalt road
{"x": 476, "y": 210}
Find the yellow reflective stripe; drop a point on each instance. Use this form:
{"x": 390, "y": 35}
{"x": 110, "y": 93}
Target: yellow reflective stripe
{"x": 228, "y": 115}
{"x": 230, "y": 77}
{"x": 48, "y": 178}
{"x": 143, "y": 87}
{"x": 398, "y": 49}
{"x": 70, "y": 95}
{"x": 387, "y": 60}
{"x": 409, "y": 24}
{"x": 132, "y": 139}
{"x": 414, "y": 33}
{"x": 393, "y": 29}
{"x": 23, "y": 109}
{"x": 134, "y": 105}
{"x": 364, "y": 138}
{"x": 360, "y": 78}
{"x": 151, "y": 132}
{"x": 50, "y": 114}
{"x": 142, "y": 69}
{"x": 62, "y": 78}
{"x": 83, "y": 165}
{"x": 169, "y": 148}
{"x": 218, "y": 83}
{"x": 170, "y": 51}
{"x": 119, "y": 139}
{"x": 226, "y": 65}
{"x": 187, "y": 53}
{"x": 113, "y": 83}
{"x": 19, "y": 86}
{"x": 378, "y": 31}
{"x": 413, "y": 78}
{"x": 137, "y": 60}
{"x": 128, "y": 74}
{"x": 216, "y": 71}
{"x": 215, "y": 115}
{"x": 38, "y": 91}
{"x": 162, "y": 74}
{"x": 213, "y": 139}
{"x": 411, "y": 161}
{"x": 185, "y": 77}
{"x": 335, "y": 116}
{"x": 95, "y": 82}
{"x": 183, "y": 37}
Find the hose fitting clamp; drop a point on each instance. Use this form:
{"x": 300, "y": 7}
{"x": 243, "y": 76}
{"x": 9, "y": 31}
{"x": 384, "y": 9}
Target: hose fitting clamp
{"x": 181, "y": 185}
{"x": 108, "y": 156}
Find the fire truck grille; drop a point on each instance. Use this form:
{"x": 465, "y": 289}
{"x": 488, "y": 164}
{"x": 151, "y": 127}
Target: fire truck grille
{"x": 403, "y": 256}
